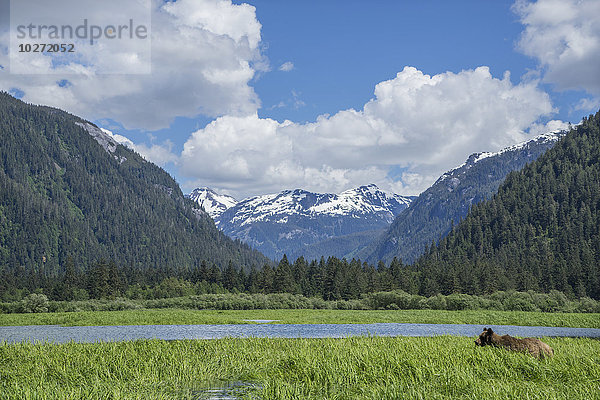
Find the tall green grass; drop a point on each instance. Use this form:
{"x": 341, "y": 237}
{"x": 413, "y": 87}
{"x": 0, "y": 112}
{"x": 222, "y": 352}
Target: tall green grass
{"x": 193, "y": 317}
{"x": 350, "y": 368}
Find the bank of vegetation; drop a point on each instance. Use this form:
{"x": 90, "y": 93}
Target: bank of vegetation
{"x": 553, "y": 302}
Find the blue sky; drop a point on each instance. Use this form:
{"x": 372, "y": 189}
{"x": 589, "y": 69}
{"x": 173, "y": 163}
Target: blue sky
{"x": 341, "y": 53}
{"x": 283, "y": 94}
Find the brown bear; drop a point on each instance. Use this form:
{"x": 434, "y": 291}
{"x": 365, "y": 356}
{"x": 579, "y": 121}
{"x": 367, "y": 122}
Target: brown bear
{"x": 533, "y": 346}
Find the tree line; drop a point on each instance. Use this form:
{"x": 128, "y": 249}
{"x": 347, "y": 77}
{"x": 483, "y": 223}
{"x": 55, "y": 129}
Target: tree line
{"x": 331, "y": 280}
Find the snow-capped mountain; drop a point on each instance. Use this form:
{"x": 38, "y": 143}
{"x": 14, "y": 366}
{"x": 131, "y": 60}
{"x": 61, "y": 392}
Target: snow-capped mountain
{"x": 296, "y": 222}
{"x": 355, "y": 203}
{"x": 212, "y": 202}
{"x": 548, "y": 138}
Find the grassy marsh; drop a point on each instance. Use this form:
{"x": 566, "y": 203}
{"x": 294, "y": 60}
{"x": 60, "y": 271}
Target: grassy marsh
{"x": 351, "y": 368}
{"x": 192, "y": 317}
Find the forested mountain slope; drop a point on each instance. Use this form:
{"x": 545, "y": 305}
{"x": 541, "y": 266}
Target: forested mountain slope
{"x": 67, "y": 189}
{"x": 541, "y": 231}
{"x": 448, "y": 200}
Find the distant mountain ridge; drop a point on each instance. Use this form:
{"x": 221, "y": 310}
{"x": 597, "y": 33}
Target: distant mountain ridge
{"x": 293, "y": 222}
{"x": 448, "y": 200}
{"x": 213, "y": 203}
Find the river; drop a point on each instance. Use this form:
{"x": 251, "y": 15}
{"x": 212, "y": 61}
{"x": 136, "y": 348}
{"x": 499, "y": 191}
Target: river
{"x": 90, "y": 334}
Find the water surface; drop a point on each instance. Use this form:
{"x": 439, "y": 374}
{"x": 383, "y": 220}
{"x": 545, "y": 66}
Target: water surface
{"x": 90, "y": 334}
{"x": 225, "y": 390}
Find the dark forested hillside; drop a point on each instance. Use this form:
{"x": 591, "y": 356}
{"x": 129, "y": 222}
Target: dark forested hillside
{"x": 64, "y": 193}
{"x": 541, "y": 231}
{"x": 448, "y": 200}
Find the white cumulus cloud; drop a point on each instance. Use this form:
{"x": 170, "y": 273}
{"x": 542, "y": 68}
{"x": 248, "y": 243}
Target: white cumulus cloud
{"x": 160, "y": 154}
{"x": 426, "y": 124}
{"x": 204, "y": 52}
{"x": 564, "y": 36}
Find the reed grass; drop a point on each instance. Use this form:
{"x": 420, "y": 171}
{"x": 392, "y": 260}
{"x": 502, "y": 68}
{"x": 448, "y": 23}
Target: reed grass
{"x": 193, "y": 317}
{"x": 350, "y": 368}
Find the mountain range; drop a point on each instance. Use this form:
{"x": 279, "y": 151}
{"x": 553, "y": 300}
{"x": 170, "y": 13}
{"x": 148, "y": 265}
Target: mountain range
{"x": 302, "y": 223}
{"x": 365, "y": 222}
{"x": 71, "y": 190}
{"x": 71, "y": 195}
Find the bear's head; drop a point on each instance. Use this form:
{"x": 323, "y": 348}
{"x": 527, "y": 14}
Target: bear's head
{"x": 485, "y": 338}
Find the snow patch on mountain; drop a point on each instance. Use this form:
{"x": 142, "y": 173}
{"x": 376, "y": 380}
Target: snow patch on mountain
{"x": 277, "y": 208}
{"x": 362, "y": 200}
{"x": 212, "y": 202}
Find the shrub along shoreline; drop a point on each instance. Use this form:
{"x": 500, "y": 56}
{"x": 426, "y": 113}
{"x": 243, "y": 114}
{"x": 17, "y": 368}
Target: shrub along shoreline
{"x": 554, "y": 301}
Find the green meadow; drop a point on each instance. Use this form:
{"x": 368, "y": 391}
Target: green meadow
{"x": 350, "y": 368}
{"x": 294, "y": 316}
